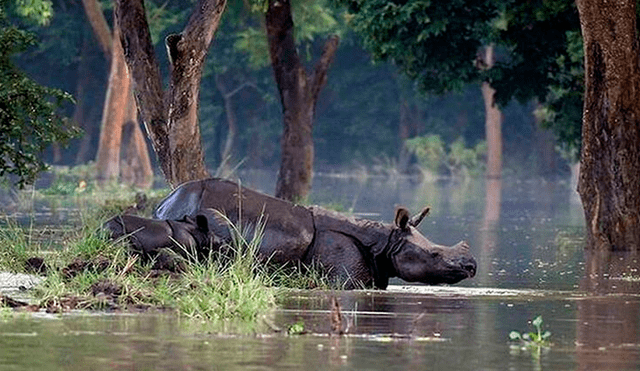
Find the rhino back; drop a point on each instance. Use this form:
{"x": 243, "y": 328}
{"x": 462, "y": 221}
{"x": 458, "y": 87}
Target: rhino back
{"x": 184, "y": 200}
{"x": 368, "y": 233}
{"x": 288, "y": 228}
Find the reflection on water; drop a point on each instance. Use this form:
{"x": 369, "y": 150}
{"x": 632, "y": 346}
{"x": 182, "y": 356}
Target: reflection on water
{"x": 526, "y": 236}
{"x": 608, "y": 323}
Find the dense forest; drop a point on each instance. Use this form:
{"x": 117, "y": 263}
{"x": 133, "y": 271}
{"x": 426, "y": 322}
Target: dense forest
{"x": 364, "y": 115}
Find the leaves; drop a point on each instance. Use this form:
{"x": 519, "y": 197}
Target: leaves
{"x": 434, "y": 43}
{"x": 37, "y": 11}
{"x": 535, "y": 339}
{"x": 28, "y": 111}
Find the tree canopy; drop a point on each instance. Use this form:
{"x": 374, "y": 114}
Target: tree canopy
{"x": 434, "y": 43}
{"x": 437, "y": 45}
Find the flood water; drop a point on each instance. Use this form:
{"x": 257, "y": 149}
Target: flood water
{"x": 525, "y": 235}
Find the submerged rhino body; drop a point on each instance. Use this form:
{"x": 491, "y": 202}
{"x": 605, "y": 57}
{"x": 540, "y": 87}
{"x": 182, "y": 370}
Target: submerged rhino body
{"x": 358, "y": 252}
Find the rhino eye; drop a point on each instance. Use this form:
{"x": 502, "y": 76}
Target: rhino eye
{"x": 435, "y": 255}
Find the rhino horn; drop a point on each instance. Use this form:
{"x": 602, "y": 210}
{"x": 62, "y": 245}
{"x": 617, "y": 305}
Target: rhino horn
{"x": 418, "y": 218}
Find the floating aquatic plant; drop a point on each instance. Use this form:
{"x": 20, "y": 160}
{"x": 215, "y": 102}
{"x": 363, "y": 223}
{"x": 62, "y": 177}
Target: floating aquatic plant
{"x": 535, "y": 339}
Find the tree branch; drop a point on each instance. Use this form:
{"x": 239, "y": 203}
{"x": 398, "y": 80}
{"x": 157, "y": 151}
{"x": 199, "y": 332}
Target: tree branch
{"x": 319, "y": 77}
{"x": 99, "y": 25}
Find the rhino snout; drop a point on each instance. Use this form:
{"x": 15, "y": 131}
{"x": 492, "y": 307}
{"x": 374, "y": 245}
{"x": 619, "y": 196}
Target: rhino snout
{"x": 468, "y": 265}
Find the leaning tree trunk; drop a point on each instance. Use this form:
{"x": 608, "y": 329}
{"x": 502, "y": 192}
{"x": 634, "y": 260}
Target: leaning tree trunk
{"x": 609, "y": 183}
{"x": 113, "y": 116}
{"x": 172, "y": 126}
{"x": 298, "y": 96}
{"x": 119, "y": 111}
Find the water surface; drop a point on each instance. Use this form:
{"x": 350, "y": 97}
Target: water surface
{"x": 525, "y": 234}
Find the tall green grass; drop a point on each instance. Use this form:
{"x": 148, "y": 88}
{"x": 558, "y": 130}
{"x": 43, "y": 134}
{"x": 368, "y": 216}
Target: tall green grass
{"x": 17, "y": 246}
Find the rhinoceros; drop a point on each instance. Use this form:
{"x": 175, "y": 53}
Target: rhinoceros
{"x": 354, "y": 251}
{"x": 148, "y": 237}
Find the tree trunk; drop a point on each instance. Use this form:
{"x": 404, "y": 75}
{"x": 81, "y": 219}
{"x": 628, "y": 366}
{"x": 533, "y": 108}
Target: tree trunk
{"x": 232, "y": 129}
{"x": 493, "y": 123}
{"x": 404, "y": 133}
{"x": 79, "y": 117}
{"x": 135, "y": 167}
{"x": 99, "y": 25}
{"x": 113, "y": 116}
{"x": 173, "y": 127}
{"x": 119, "y": 111}
{"x": 232, "y": 126}
{"x": 298, "y": 96}
{"x": 609, "y": 183}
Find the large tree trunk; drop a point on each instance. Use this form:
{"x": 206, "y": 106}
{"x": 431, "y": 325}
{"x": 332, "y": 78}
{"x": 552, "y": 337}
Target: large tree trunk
{"x": 298, "y": 96}
{"x": 609, "y": 183}
{"x": 493, "y": 123}
{"x": 173, "y": 127}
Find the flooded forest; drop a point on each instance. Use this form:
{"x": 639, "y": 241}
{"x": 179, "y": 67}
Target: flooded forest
{"x": 505, "y": 118}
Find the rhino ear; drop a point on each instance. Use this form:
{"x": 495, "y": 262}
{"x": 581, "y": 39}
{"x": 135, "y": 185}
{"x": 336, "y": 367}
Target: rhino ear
{"x": 418, "y": 218}
{"x": 202, "y": 222}
{"x": 402, "y": 218}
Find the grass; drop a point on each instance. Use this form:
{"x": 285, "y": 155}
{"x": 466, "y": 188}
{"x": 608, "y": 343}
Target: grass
{"x": 91, "y": 272}
{"x": 17, "y": 247}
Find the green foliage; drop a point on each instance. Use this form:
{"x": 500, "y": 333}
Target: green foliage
{"x": 29, "y": 121}
{"x": 537, "y": 339}
{"x": 161, "y": 18}
{"x": 37, "y": 11}
{"x": 436, "y": 44}
{"x": 433, "y": 43}
{"x": 543, "y": 42}
{"x": 430, "y": 150}
{"x": 301, "y": 277}
{"x": 224, "y": 288}
{"x": 357, "y": 112}
{"x": 311, "y": 19}
{"x": 466, "y": 161}
{"x": 297, "y": 328}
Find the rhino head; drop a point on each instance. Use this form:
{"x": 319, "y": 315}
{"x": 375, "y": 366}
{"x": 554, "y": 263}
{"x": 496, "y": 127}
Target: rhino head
{"x": 416, "y": 259}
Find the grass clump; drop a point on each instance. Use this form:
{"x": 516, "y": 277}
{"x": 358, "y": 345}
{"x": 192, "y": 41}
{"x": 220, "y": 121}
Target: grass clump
{"x": 17, "y": 247}
{"x": 90, "y": 271}
{"x": 231, "y": 285}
